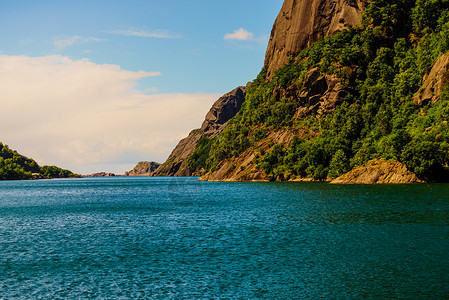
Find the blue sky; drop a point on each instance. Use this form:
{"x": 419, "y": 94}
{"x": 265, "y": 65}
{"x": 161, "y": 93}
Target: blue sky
{"x": 115, "y": 82}
{"x": 193, "y": 57}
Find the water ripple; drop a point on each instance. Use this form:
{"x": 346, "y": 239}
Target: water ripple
{"x": 176, "y": 238}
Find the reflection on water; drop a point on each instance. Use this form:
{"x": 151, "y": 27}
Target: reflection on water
{"x": 178, "y": 238}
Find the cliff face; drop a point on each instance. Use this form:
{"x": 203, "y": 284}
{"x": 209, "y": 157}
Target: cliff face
{"x": 143, "y": 168}
{"x": 298, "y": 25}
{"x": 345, "y": 103}
{"x": 318, "y": 94}
{"x": 224, "y": 109}
{"x": 302, "y": 22}
{"x": 215, "y": 121}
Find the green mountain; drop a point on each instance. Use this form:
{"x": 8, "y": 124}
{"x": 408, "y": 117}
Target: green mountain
{"x": 14, "y": 166}
{"x": 376, "y": 90}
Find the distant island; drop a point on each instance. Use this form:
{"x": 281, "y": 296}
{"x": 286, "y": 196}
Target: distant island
{"x": 101, "y": 174}
{"x": 143, "y": 168}
{"x": 14, "y": 166}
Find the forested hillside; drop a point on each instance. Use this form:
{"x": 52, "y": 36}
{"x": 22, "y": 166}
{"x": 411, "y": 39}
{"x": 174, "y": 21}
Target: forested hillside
{"x": 364, "y": 93}
{"x": 14, "y": 166}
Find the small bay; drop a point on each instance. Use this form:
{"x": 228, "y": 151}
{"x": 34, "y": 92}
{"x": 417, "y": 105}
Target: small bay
{"x": 178, "y": 238}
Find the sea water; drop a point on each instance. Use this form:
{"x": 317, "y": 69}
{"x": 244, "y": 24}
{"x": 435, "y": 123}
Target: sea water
{"x": 178, "y": 238}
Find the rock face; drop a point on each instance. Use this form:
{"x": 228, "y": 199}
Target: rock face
{"x": 378, "y": 171}
{"x": 434, "y": 82}
{"x": 143, "y": 168}
{"x": 302, "y": 22}
{"x": 222, "y": 111}
{"x": 215, "y": 121}
{"x": 319, "y": 94}
{"x": 298, "y": 25}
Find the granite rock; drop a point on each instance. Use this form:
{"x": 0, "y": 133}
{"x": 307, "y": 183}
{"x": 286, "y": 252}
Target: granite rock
{"x": 302, "y": 22}
{"x": 215, "y": 122}
{"x": 378, "y": 171}
{"x": 143, "y": 168}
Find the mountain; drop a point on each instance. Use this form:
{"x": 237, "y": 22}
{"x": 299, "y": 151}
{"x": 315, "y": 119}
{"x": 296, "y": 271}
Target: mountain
{"x": 332, "y": 98}
{"x": 143, "y": 168}
{"x": 14, "y": 166}
{"x": 178, "y": 163}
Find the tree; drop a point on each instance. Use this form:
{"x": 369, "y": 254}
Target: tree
{"x": 339, "y": 164}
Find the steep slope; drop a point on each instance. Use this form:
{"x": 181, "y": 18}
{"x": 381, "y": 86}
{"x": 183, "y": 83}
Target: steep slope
{"x": 378, "y": 91}
{"x": 330, "y": 100}
{"x": 143, "y": 168}
{"x": 298, "y": 24}
{"x": 215, "y": 121}
{"x": 303, "y": 22}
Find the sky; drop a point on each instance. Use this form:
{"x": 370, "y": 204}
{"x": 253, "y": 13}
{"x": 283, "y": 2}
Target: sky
{"x": 100, "y": 85}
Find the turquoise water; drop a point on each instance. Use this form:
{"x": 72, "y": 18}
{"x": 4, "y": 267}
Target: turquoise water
{"x": 177, "y": 238}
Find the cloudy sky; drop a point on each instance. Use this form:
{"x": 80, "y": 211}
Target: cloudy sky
{"x": 101, "y": 85}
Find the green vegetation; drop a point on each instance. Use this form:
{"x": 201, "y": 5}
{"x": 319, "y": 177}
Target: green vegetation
{"x": 198, "y": 158}
{"x": 56, "y": 172}
{"x": 14, "y": 166}
{"x": 382, "y": 65}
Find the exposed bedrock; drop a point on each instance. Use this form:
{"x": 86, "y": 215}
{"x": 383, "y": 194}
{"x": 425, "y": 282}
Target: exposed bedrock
{"x": 302, "y": 22}
{"x": 215, "y": 122}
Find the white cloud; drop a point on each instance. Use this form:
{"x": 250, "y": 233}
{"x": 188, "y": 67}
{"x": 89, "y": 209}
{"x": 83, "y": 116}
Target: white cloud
{"x": 159, "y": 34}
{"x": 84, "y": 116}
{"x": 239, "y": 34}
{"x": 63, "y": 43}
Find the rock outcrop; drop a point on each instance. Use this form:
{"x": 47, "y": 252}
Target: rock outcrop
{"x": 143, "y": 168}
{"x": 434, "y": 83}
{"x": 302, "y": 22}
{"x": 215, "y": 122}
{"x": 319, "y": 93}
{"x": 224, "y": 109}
{"x": 378, "y": 171}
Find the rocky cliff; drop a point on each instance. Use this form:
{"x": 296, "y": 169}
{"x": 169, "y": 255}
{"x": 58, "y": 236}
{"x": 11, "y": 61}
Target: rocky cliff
{"x": 215, "y": 121}
{"x": 298, "y": 25}
{"x": 318, "y": 94}
{"x": 302, "y": 22}
{"x": 353, "y": 96}
{"x": 143, "y": 168}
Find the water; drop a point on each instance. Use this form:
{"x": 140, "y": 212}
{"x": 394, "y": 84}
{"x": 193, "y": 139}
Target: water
{"x": 177, "y": 238}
